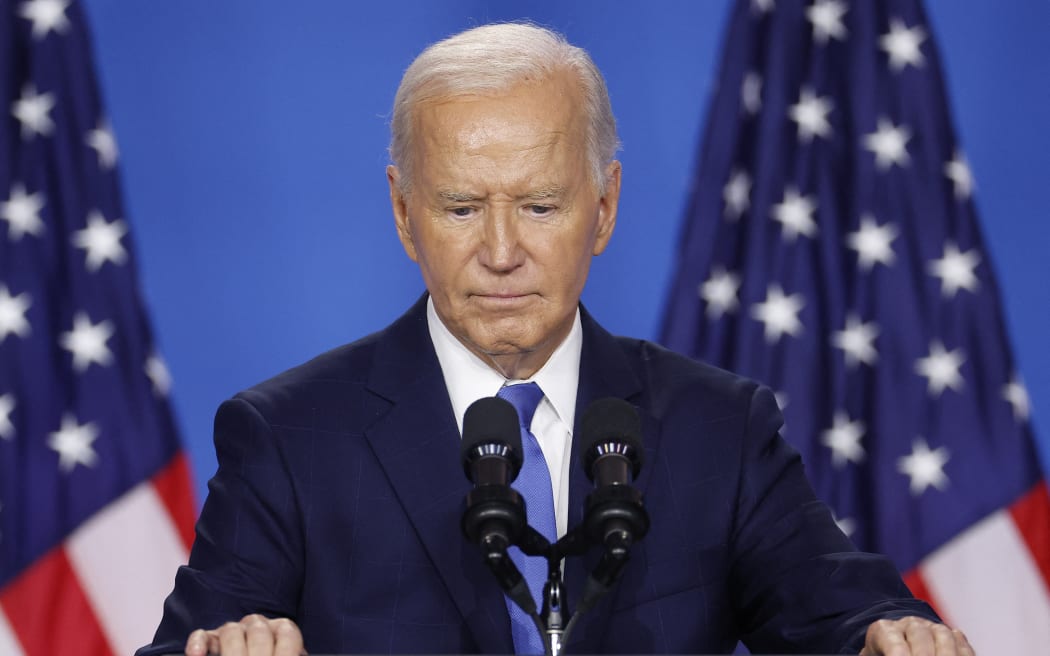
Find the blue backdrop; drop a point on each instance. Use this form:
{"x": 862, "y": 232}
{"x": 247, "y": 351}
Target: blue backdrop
{"x": 253, "y": 140}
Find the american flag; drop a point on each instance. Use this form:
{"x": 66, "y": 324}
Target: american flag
{"x": 96, "y": 510}
{"x": 831, "y": 250}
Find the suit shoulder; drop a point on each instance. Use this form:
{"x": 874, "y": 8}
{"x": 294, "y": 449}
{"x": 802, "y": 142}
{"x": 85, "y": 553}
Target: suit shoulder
{"x": 339, "y": 372}
{"x": 672, "y": 377}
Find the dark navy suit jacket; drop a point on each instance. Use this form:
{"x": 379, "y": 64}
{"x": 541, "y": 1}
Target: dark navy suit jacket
{"x": 339, "y": 492}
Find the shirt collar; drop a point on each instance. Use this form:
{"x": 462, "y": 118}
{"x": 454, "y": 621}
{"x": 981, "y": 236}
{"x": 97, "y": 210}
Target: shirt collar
{"x": 468, "y": 378}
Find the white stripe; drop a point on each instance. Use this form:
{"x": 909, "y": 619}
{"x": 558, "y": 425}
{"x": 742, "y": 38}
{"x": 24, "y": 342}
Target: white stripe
{"x": 125, "y": 557}
{"x": 987, "y": 584}
{"x": 8, "y": 642}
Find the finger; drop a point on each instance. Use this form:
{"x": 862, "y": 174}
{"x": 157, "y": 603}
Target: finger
{"x": 289, "y": 639}
{"x": 257, "y": 635}
{"x": 920, "y": 637}
{"x": 214, "y": 646}
{"x": 963, "y": 645}
{"x": 885, "y": 638}
{"x": 944, "y": 641}
{"x": 231, "y": 639}
{"x": 197, "y": 643}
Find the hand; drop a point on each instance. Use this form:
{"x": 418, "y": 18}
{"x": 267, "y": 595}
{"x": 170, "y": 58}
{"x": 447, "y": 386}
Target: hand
{"x": 914, "y": 636}
{"x": 254, "y": 635}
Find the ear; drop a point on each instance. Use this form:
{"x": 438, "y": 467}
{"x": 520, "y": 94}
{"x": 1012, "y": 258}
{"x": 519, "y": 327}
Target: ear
{"x": 399, "y": 204}
{"x": 607, "y": 207}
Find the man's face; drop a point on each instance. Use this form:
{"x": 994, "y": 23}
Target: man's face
{"x": 503, "y": 218}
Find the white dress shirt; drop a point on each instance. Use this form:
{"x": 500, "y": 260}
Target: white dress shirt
{"x": 468, "y": 379}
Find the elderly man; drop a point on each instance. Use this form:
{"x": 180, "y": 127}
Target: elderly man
{"x": 333, "y": 520}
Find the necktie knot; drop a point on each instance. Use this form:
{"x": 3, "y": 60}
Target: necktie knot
{"x": 525, "y": 397}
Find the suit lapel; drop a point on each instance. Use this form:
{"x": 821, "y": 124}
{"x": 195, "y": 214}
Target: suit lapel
{"x": 605, "y": 371}
{"x": 416, "y": 441}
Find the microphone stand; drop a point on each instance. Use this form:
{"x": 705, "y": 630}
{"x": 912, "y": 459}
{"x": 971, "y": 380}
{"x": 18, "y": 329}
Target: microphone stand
{"x": 615, "y": 518}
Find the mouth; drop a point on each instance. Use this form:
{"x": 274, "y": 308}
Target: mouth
{"x": 503, "y": 299}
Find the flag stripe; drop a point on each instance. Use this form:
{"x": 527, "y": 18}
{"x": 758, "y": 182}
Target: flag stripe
{"x": 128, "y": 604}
{"x": 90, "y": 449}
{"x": 49, "y": 612}
{"x": 9, "y": 645}
{"x": 174, "y": 486}
{"x": 1032, "y": 516}
{"x": 989, "y": 566}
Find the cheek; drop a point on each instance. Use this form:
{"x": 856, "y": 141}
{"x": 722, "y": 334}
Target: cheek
{"x": 569, "y": 261}
{"x": 443, "y": 258}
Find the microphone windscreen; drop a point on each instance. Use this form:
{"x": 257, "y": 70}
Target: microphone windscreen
{"x": 488, "y": 420}
{"x": 611, "y": 420}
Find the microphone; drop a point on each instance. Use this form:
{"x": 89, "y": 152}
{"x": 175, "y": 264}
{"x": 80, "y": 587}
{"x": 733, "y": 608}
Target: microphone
{"x": 495, "y": 518}
{"x": 614, "y": 515}
{"x": 491, "y": 456}
{"x": 491, "y": 446}
{"x": 612, "y": 457}
{"x": 612, "y": 442}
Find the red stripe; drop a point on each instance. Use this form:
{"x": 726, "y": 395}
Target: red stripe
{"x": 917, "y": 585}
{"x": 1031, "y": 513}
{"x": 50, "y": 614}
{"x": 175, "y": 489}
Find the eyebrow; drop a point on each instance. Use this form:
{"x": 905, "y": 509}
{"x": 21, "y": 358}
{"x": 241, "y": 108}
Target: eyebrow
{"x": 457, "y": 196}
{"x": 544, "y": 193}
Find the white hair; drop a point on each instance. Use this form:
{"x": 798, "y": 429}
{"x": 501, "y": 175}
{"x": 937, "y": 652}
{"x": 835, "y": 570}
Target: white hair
{"x": 491, "y": 59}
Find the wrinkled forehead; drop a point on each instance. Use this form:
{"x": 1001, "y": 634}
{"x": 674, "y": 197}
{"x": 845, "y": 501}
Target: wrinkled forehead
{"x": 550, "y": 109}
{"x": 533, "y": 135}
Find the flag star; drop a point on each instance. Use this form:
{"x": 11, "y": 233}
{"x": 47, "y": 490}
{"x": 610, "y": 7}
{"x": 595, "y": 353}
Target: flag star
{"x": 826, "y": 16}
{"x": 795, "y": 214}
{"x": 902, "y": 43}
{"x": 956, "y": 270}
{"x": 105, "y": 144}
{"x": 737, "y": 194}
{"x": 1016, "y": 395}
{"x": 762, "y": 6}
{"x": 843, "y": 438}
{"x": 13, "y": 313}
{"x": 872, "y": 242}
{"x": 845, "y": 524}
{"x": 32, "y": 111}
{"x": 73, "y": 443}
{"x": 87, "y": 342}
{"x": 751, "y": 93}
{"x": 811, "y": 114}
{"x": 941, "y": 368}
{"x": 7, "y": 404}
{"x": 924, "y": 467}
{"x": 958, "y": 171}
{"x": 779, "y": 313}
{"x": 22, "y": 213}
{"x": 157, "y": 372}
{"x": 46, "y": 15}
{"x": 101, "y": 240}
{"x": 856, "y": 341}
{"x": 889, "y": 143}
{"x": 720, "y": 292}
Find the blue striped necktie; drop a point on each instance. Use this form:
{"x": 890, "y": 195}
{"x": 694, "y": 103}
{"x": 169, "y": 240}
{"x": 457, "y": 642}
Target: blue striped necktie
{"x": 534, "y": 484}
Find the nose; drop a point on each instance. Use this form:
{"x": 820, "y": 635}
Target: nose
{"x": 501, "y": 249}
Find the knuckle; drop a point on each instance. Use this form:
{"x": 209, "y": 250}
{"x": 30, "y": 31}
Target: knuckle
{"x": 284, "y": 626}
